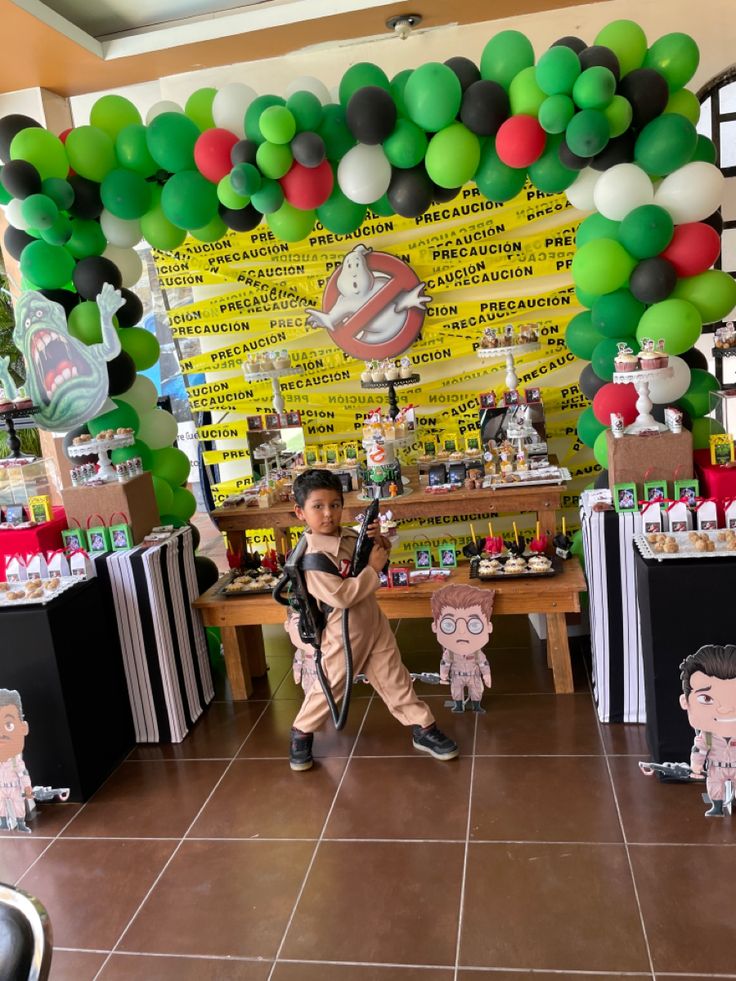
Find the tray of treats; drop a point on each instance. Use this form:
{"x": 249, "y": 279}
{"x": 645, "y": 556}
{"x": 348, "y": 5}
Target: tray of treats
{"x": 514, "y": 566}
{"x": 34, "y": 590}
{"x": 687, "y": 544}
{"x": 248, "y": 583}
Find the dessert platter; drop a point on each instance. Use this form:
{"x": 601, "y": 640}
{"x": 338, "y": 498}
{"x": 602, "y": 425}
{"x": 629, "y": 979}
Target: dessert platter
{"x": 34, "y": 590}
{"x": 687, "y": 545}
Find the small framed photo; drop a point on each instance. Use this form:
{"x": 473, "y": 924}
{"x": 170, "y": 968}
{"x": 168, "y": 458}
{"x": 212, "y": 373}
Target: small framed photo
{"x": 687, "y": 490}
{"x": 655, "y": 490}
{"x": 456, "y": 474}
{"x": 14, "y": 514}
{"x": 351, "y": 451}
{"x": 121, "y": 537}
{"x": 437, "y": 475}
{"x": 472, "y": 442}
{"x": 346, "y": 481}
{"x": 311, "y": 457}
{"x": 511, "y": 397}
{"x": 293, "y": 418}
{"x": 255, "y": 424}
{"x": 429, "y": 447}
{"x": 331, "y": 453}
{"x": 423, "y": 558}
{"x": 273, "y": 420}
{"x": 721, "y": 449}
{"x": 382, "y": 578}
{"x": 487, "y": 400}
{"x": 447, "y": 555}
{"x": 74, "y": 538}
{"x": 398, "y": 577}
{"x": 449, "y": 444}
{"x": 624, "y": 498}
{"x": 532, "y": 395}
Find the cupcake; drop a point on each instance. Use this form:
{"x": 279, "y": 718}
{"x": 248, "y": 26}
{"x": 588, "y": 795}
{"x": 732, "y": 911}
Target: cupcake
{"x": 5, "y": 404}
{"x": 405, "y": 369}
{"x": 625, "y": 360}
{"x": 651, "y": 359}
{"x": 21, "y": 400}
{"x": 391, "y": 371}
{"x": 377, "y": 372}
{"x": 282, "y": 360}
{"x": 539, "y": 564}
{"x": 365, "y": 376}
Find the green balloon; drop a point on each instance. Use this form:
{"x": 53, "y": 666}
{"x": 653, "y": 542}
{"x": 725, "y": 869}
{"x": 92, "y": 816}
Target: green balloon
{"x": 274, "y": 159}
{"x": 269, "y": 198}
{"x": 617, "y": 314}
{"x": 211, "y": 232}
{"x": 164, "y": 494}
{"x": 138, "y": 449}
{"x": 334, "y": 131}
{"x": 253, "y": 115}
{"x": 712, "y": 293}
{"x": 696, "y": 400}
{"x": 589, "y": 429}
{"x": 605, "y": 352}
{"x": 646, "y": 231}
{"x": 398, "y": 84}
{"x": 60, "y": 191}
{"x": 157, "y": 230}
{"x": 339, "y": 214}
{"x": 525, "y": 96}
{"x": 555, "y": 113}
{"x": 619, "y": 114}
{"x": 131, "y": 149}
{"x": 170, "y": 464}
{"x": 87, "y": 238}
{"x": 505, "y": 55}
{"x": 123, "y": 416}
{"x": 277, "y": 124}
{"x": 358, "y": 77}
{"x": 594, "y": 88}
{"x": 496, "y": 180}
{"x": 42, "y": 149}
{"x": 290, "y": 224}
{"x": 170, "y": 138}
{"x": 39, "y": 211}
{"x": 705, "y": 149}
{"x": 228, "y": 196}
{"x": 587, "y": 132}
{"x": 432, "y": 96}
{"x": 596, "y": 226}
{"x": 407, "y": 145}
{"x": 584, "y": 298}
{"x": 141, "y": 345}
{"x": 112, "y": 113}
{"x": 602, "y": 266}
{"x": 600, "y": 449}
{"x": 665, "y": 144}
{"x": 189, "y": 200}
{"x": 452, "y": 156}
{"x": 306, "y": 109}
{"x": 184, "y": 504}
{"x": 84, "y": 322}
{"x": 627, "y": 41}
{"x": 382, "y": 207}
{"x": 548, "y": 173}
{"x": 703, "y": 429}
{"x": 5, "y": 196}
{"x": 676, "y": 321}
{"x": 90, "y": 151}
{"x": 676, "y": 57}
{"x": 686, "y": 103}
{"x": 198, "y": 108}
{"x": 581, "y": 337}
{"x": 557, "y": 70}
{"x": 125, "y": 194}
{"x": 59, "y": 233}
{"x": 48, "y": 266}
{"x": 245, "y": 179}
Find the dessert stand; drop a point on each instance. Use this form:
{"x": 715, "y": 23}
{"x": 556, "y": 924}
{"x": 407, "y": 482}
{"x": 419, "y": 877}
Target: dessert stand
{"x": 507, "y": 354}
{"x": 391, "y": 384}
{"x": 273, "y": 377}
{"x": 645, "y": 421}
{"x": 8, "y": 417}
{"x": 102, "y": 448}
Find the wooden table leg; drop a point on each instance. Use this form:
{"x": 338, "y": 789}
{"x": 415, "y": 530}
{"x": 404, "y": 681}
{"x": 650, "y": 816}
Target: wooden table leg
{"x": 558, "y": 650}
{"x": 253, "y": 640}
{"x": 234, "y": 648}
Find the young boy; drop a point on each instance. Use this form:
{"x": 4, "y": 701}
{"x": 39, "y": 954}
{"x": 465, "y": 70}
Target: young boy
{"x": 319, "y": 504}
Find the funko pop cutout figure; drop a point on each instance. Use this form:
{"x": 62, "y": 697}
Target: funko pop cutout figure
{"x": 15, "y": 784}
{"x": 462, "y": 623}
{"x": 709, "y": 698}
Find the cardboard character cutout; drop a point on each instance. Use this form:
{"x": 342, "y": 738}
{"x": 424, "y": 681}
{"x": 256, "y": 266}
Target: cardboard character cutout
{"x": 15, "y": 784}
{"x": 462, "y": 622}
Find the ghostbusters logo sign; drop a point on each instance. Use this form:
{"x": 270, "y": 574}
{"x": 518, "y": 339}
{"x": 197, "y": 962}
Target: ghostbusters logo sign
{"x": 373, "y": 305}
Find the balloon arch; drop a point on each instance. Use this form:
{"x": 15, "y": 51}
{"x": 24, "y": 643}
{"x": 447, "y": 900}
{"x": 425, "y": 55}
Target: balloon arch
{"x": 610, "y": 123}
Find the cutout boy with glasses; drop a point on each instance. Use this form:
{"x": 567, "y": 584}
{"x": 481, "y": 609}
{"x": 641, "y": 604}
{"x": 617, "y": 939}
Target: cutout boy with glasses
{"x": 462, "y": 623}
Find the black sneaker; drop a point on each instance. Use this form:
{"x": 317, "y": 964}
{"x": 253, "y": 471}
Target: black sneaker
{"x": 300, "y": 750}
{"x": 434, "y": 742}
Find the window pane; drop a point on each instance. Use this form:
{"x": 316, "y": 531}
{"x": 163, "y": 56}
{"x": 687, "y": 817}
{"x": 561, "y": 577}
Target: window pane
{"x": 727, "y": 97}
{"x": 728, "y": 208}
{"x": 703, "y": 125}
{"x": 728, "y": 144}
{"x": 728, "y": 249}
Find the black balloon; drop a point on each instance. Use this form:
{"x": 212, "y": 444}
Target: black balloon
{"x": 121, "y": 373}
{"x": 601, "y": 480}
{"x": 599, "y": 56}
{"x": 91, "y": 274}
{"x": 20, "y": 179}
{"x": 244, "y": 152}
{"x": 64, "y": 298}
{"x": 371, "y": 114}
{"x": 570, "y": 159}
{"x": 466, "y": 70}
{"x": 658, "y": 413}
{"x": 87, "y": 202}
{"x": 647, "y": 92}
{"x": 570, "y": 41}
{"x": 15, "y": 240}
{"x": 484, "y": 107}
{"x": 410, "y": 191}
{"x": 618, "y": 150}
{"x": 441, "y": 195}
{"x": 695, "y": 359}
{"x": 589, "y": 382}
{"x": 653, "y": 280}
{"x": 715, "y": 221}
{"x": 241, "y": 219}
{"x": 206, "y": 571}
{"x": 308, "y": 149}
{"x": 131, "y": 311}
{"x": 10, "y": 126}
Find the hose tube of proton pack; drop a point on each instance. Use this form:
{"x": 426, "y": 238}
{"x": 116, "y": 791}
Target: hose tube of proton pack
{"x": 338, "y": 717}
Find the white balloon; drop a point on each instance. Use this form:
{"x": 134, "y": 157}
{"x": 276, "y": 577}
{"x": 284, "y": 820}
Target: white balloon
{"x": 14, "y": 214}
{"x": 667, "y": 390}
{"x": 165, "y": 105}
{"x": 229, "y": 105}
{"x": 120, "y": 231}
{"x": 364, "y": 174}
{"x": 158, "y": 428}
{"x": 306, "y": 83}
{"x": 622, "y": 188}
{"x": 691, "y": 193}
{"x": 580, "y": 192}
{"x": 141, "y": 395}
{"x": 128, "y": 262}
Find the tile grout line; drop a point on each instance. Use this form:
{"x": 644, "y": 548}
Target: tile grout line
{"x": 461, "y": 910}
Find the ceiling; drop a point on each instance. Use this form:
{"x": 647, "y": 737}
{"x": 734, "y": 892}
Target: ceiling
{"x": 76, "y": 46}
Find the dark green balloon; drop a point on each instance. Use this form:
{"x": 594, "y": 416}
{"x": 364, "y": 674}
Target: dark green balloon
{"x": 665, "y": 144}
{"x": 646, "y": 231}
{"x": 334, "y": 131}
{"x": 189, "y": 200}
{"x": 705, "y": 149}
{"x": 548, "y": 173}
{"x": 40, "y": 211}
{"x": 594, "y": 88}
{"x": 340, "y": 215}
{"x": 170, "y": 138}
{"x": 585, "y": 298}
{"x": 505, "y": 55}
{"x": 59, "y": 233}
{"x": 696, "y": 401}
{"x": 556, "y": 112}
{"x": 268, "y": 198}
{"x": 60, "y": 191}
{"x": 253, "y": 115}
{"x": 398, "y": 84}
{"x": 495, "y": 179}
{"x": 49, "y": 266}
{"x": 587, "y": 132}
{"x": 359, "y": 76}
{"x": 617, "y": 314}
{"x": 407, "y": 145}
{"x": 557, "y": 70}
{"x": 87, "y": 238}
{"x": 306, "y": 109}
{"x": 606, "y": 351}
{"x": 131, "y": 149}
{"x": 596, "y": 226}
{"x": 125, "y": 194}
{"x": 382, "y": 207}
{"x": 588, "y": 427}
{"x": 581, "y": 337}
{"x": 675, "y": 56}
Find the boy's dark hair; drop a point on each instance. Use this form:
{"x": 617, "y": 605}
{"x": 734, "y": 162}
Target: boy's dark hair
{"x": 712, "y": 659}
{"x": 312, "y": 480}
{"x": 11, "y": 697}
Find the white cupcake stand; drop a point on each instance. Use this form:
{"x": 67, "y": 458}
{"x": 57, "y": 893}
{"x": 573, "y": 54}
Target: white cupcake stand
{"x": 645, "y": 421}
{"x": 507, "y": 354}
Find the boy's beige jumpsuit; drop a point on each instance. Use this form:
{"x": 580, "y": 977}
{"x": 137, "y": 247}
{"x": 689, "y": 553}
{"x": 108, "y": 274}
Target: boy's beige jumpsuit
{"x": 375, "y": 652}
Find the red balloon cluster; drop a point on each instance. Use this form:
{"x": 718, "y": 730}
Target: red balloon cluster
{"x": 615, "y": 398}
{"x": 520, "y": 141}
{"x": 212, "y": 153}
{"x": 693, "y": 249}
{"x": 308, "y": 187}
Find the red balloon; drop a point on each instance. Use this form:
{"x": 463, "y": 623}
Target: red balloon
{"x": 308, "y": 187}
{"x": 64, "y": 133}
{"x": 693, "y": 249}
{"x": 520, "y": 141}
{"x": 615, "y": 398}
{"x": 212, "y": 153}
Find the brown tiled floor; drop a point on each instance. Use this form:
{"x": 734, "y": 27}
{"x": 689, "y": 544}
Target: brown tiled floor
{"x": 542, "y": 851}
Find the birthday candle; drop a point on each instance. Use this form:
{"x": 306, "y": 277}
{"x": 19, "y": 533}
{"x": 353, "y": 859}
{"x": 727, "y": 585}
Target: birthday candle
{"x": 472, "y": 534}
{"x": 564, "y": 532}
{"x": 490, "y": 529}
{"x": 537, "y": 531}
{"x": 516, "y": 534}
